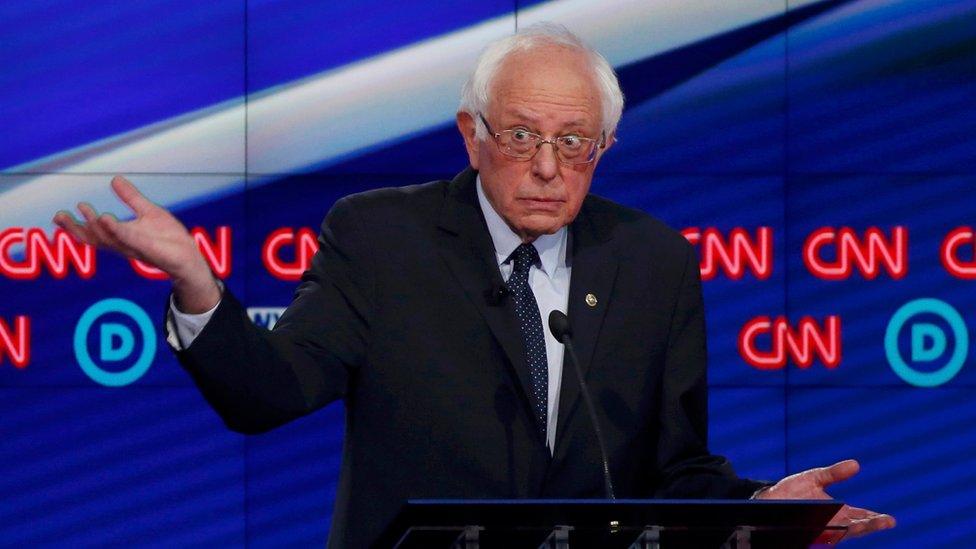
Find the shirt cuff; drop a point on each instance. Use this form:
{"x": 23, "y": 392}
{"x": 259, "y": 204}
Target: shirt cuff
{"x": 182, "y": 328}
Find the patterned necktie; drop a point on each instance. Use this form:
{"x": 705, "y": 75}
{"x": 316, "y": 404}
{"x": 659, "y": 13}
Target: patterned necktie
{"x": 530, "y": 322}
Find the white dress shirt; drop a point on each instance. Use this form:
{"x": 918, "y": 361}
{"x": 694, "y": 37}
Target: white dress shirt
{"x": 549, "y": 282}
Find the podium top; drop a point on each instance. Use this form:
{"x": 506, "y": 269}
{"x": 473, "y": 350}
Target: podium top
{"x": 799, "y": 519}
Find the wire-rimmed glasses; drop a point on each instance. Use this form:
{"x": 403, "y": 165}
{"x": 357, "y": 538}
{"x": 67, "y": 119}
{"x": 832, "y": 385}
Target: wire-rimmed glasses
{"x": 521, "y": 144}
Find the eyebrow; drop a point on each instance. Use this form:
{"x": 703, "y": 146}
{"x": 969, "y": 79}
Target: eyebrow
{"x": 578, "y": 123}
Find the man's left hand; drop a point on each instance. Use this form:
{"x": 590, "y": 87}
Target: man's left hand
{"x": 811, "y": 484}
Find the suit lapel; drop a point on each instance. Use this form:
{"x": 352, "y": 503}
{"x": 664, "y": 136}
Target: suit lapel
{"x": 466, "y": 247}
{"x": 594, "y": 263}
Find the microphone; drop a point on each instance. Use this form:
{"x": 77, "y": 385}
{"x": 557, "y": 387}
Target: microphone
{"x": 496, "y": 295}
{"x": 559, "y": 326}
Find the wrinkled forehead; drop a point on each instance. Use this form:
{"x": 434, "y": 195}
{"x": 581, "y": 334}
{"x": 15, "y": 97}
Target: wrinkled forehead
{"x": 547, "y": 82}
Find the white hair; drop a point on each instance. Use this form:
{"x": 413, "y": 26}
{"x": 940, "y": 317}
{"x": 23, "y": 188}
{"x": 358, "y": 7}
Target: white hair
{"x": 474, "y": 94}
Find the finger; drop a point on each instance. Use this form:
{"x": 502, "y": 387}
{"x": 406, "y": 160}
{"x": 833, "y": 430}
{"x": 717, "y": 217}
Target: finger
{"x": 860, "y": 521}
{"x": 128, "y": 193}
{"x": 104, "y": 239}
{"x": 111, "y": 229}
{"x": 843, "y": 470}
{"x": 87, "y": 211}
{"x": 91, "y": 223}
{"x": 848, "y": 513}
{"x": 869, "y": 525}
{"x": 100, "y": 237}
{"x": 68, "y": 222}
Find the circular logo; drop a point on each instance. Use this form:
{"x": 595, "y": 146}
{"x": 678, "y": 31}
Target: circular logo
{"x": 928, "y": 342}
{"x": 116, "y": 342}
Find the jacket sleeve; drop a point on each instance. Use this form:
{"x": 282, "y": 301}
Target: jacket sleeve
{"x": 687, "y": 468}
{"x": 258, "y": 379}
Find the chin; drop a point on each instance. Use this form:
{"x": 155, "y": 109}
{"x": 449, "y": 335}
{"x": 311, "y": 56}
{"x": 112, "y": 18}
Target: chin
{"x": 539, "y": 229}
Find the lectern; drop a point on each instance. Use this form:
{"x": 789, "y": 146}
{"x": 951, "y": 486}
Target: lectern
{"x": 624, "y": 524}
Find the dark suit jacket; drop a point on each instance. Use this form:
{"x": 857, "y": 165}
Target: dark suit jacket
{"x": 393, "y": 318}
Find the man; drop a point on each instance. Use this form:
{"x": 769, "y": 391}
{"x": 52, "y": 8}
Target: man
{"x": 425, "y": 311}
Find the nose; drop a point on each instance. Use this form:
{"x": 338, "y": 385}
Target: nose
{"x": 545, "y": 165}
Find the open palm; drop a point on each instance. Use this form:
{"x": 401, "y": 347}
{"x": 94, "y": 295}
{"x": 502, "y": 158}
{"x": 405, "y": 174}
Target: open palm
{"x": 812, "y": 484}
{"x": 155, "y": 236}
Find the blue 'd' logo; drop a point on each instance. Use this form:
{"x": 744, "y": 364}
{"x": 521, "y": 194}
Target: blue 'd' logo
{"x": 116, "y": 342}
{"x": 928, "y": 342}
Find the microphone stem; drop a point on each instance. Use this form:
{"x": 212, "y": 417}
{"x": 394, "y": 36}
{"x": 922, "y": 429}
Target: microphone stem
{"x": 608, "y": 483}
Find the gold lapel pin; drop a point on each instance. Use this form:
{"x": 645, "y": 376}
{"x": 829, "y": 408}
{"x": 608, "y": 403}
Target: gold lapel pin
{"x": 591, "y": 300}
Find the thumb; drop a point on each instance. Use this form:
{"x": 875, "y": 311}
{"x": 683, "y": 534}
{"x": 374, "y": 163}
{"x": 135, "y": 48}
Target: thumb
{"x": 837, "y": 472}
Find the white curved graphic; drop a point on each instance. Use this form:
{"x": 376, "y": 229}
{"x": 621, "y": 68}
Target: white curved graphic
{"x": 323, "y": 118}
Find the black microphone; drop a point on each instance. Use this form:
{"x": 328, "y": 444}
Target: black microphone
{"x": 559, "y": 326}
{"x": 496, "y": 295}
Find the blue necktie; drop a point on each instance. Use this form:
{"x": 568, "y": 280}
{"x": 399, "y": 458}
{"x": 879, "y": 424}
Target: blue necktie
{"x": 530, "y": 322}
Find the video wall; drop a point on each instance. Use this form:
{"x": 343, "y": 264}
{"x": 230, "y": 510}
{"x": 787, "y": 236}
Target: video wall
{"x": 819, "y": 154}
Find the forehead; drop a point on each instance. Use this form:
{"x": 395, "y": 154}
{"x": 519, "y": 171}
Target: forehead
{"x": 548, "y": 84}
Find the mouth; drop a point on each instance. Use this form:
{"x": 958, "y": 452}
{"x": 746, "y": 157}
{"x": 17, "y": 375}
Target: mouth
{"x": 542, "y": 204}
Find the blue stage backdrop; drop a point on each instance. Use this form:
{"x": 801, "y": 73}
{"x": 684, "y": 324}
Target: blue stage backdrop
{"x": 820, "y": 155}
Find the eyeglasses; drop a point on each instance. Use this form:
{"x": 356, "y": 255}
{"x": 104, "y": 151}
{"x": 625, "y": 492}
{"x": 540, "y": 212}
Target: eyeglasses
{"x": 522, "y": 144}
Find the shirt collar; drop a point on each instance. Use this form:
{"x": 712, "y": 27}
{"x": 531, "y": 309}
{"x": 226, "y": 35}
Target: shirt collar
{"x": 551, "y": 247}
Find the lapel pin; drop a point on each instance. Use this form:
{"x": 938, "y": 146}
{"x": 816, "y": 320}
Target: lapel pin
{"x": 591, "y": 300}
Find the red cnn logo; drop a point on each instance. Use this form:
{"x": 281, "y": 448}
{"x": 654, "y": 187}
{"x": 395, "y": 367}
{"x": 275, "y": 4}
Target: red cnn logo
{"x": 217, "y": 252}
{"x": 304, "y": 243}
{"x": 15, "y": 343}
{"x": 869, "y": 254}
{"x": 801, "y": 345}
{"x": 56, "y": 254}
{"x": 949, "y": 250}
{"x": 734, "y": 255}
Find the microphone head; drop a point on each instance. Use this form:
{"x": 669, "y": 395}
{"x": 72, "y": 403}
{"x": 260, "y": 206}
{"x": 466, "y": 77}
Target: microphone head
{"x": 559, "y": 325}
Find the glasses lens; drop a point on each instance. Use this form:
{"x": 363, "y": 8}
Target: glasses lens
{"x": 518, "y": 143}
{"x": 575, "y": 150}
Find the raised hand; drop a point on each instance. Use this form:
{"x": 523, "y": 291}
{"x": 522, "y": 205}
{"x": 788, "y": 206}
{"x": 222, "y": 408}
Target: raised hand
{"x": 811, "y": 484}
{"x": 156, "y": 237}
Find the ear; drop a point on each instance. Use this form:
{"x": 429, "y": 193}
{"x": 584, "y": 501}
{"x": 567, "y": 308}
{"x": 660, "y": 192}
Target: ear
{"x": 467, "y": 125}
{"x": 611, "y": 139}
